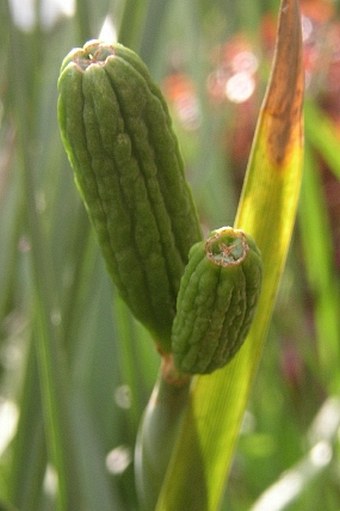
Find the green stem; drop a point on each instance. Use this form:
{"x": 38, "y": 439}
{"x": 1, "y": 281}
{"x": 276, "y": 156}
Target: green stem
{"x": 158, "y": 431}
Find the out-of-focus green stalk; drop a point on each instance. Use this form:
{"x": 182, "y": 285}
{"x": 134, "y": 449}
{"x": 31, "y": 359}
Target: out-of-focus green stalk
{"x": 25, "y": 481}
{"x": 267, "y": 210}
{"x": 150, "y": 37}
{"x": 50, "y": 364}
{"x": 132, "y": 23}
{"x": 321, "y": 134}
{"x": 319, "y": 258}
{"x": 83, "y": 20}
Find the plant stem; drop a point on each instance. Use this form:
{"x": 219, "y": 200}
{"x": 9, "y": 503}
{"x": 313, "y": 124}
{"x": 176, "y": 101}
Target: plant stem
{"x": 158, "y": 431}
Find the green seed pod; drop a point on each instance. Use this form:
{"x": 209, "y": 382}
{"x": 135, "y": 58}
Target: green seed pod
{"x": 117, "y": 132}
{"x": 216, "y": 301}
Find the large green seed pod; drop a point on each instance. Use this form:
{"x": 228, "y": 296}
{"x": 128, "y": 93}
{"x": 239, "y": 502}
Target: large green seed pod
{"x": 216, "y": 301}
{"x": 117, "y": 133}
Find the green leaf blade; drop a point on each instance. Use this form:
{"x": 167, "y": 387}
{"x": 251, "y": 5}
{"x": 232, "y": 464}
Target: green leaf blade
{"x": 267, "y": 211}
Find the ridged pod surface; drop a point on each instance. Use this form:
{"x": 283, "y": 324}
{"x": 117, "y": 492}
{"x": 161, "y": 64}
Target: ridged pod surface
{"x": 117, "y": 132}
{"x": 216, "y": 301}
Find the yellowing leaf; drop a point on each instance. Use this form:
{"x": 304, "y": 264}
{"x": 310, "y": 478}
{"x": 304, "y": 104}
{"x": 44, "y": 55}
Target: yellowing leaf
{"x": 267, "y": 211}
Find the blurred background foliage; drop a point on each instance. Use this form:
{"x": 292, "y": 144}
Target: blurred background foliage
{"x": 59, "y": 310}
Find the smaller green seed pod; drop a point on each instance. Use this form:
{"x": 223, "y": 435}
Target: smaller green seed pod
{"x": 216, "y": 302}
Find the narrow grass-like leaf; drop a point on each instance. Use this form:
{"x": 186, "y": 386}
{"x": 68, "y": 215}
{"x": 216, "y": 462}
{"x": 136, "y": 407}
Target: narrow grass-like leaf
{"x": 322, "y": 135}
{"x": 319, "y": 258}
{"x": 266, "y": 211}
{"x": 132, "y": 23}
{"x": 29, "y": 455}
{"x": 51, "y": 366}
